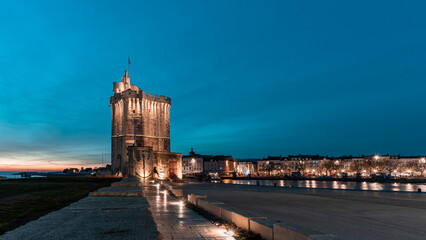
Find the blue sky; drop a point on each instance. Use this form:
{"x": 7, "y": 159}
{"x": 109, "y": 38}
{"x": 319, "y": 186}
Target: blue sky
{"x": 246, "y": 78}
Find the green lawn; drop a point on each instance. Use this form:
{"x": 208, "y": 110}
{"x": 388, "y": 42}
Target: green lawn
{"x": 23, "y": 200}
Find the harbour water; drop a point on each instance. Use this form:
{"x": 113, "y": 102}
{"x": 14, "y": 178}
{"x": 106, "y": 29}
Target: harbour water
{"x": 9, "y": 175}
{"x": 13, "y": 175}
{"x": 362, "y": 186}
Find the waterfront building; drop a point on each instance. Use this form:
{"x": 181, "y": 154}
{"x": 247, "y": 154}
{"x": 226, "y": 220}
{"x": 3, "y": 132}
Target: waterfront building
{"x": 246, "y": 167}
{"x": 140, "y": 133}
{"x": 270, "y": 166}
{"x": 406, "y": 166}
{"x": 192, "y": 163}
{"x": 312, "y": 164}
{"x": 224, "y": 165}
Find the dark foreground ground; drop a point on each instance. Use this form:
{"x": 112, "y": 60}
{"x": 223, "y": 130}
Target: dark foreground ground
{"x": 24, "y": 200}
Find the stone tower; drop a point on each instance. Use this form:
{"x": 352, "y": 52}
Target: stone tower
{"x": 141, "y": 132}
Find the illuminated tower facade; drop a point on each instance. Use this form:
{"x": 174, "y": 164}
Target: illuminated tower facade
{"x": 141, "y": 131}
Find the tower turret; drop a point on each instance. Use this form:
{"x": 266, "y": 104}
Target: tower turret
{"x": 126, "y": 79}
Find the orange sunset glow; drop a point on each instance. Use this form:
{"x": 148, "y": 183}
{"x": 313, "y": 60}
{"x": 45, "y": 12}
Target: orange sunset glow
{"x": 12, "y": 165}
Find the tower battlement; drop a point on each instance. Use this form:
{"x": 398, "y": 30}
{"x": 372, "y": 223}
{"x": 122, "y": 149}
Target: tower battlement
{"x": 125, "y": 89}
{"x": 140, "y": 95}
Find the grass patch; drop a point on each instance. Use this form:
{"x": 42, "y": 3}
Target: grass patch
{"x": 24, "y": 200}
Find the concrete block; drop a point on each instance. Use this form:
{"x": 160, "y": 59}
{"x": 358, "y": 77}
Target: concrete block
{"x": 201, "y": 203}
{"x": 241, "y": 221}
{"x": 192, "y": 199}
{"x": 227, "y": 214}
{"x": 234, "y": 215}
{"x": 211, "y": 206}
{"x": 198, "y": 198}
{"x": 177, "y": 192}
{"x": 215, "y": 209}
{"x": 264, "y": 227}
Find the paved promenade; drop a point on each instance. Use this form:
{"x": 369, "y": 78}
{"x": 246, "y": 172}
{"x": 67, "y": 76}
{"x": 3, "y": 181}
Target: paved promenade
{"x": 175, "y": 221}
{"x": 346, "y": 214}
{"x": 122, "y": 212}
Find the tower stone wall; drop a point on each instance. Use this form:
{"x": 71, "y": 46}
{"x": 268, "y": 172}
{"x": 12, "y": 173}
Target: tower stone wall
{"x": 137, "y": 115}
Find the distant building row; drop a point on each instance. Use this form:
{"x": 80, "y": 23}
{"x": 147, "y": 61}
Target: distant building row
{"x": 306, "y": 165}
{"x": 316, "y": 165}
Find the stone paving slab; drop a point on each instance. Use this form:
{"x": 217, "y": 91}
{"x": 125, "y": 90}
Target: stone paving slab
{"x": 92, "y": 218}
{"x": 176, "y": 221}
{"x": 128, "y": 182}
{"x": 129, "y": 191}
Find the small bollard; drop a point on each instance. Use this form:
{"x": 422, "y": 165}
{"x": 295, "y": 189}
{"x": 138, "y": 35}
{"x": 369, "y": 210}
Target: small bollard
{"x": 419, "y": 190}
{"x": 275, "y": 184}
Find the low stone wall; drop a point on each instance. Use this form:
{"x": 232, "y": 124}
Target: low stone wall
{"x": 263, "y": 227}
{"x": 192, "y": 198}
{"x": 257, "y": 224}
{"x": 211, "y": 206}
{"x": 227, "y": 213}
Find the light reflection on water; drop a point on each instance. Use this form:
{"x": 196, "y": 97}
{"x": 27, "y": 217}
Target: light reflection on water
{"x": 365, "y": 186}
